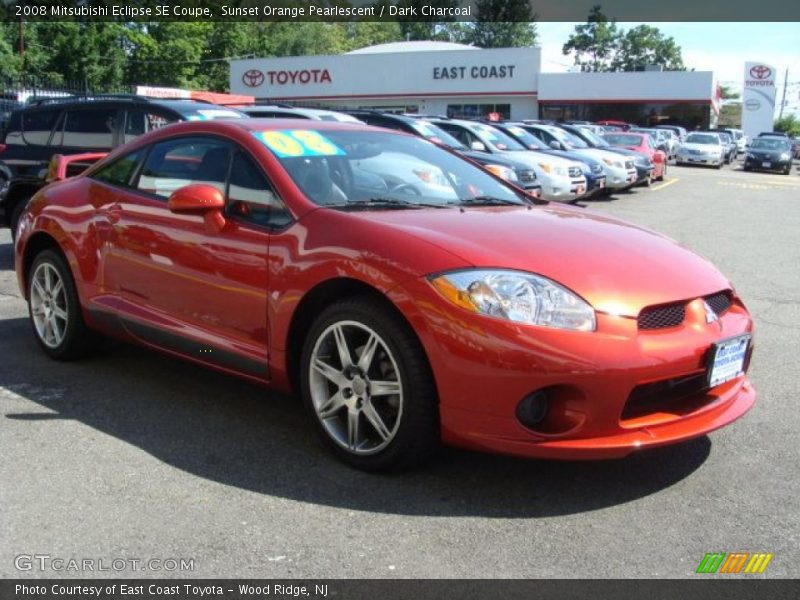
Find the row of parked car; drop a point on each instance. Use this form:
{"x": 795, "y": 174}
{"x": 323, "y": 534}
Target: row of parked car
{"x": 559, "y": 162}
{"x": 555, "y": 161}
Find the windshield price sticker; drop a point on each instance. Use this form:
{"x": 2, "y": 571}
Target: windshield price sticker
{"x": 299, "y": 142}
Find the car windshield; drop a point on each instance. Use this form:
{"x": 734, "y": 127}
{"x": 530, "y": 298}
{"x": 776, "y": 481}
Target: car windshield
{"x": 725, "y": 137}
{"x": 653, "y": 135}
{"x": 773, "y": 144}
{"x": 566, "y": 138}
{"x": 593, "y": 138}
{"x": 526, "y": 138}
{"x": 624, "y": 139}
{"x": 358, "y": 170}
{"x": 436, "y": 134}
{"x": 702, "y": 138}
{"x": 495, "y": 138}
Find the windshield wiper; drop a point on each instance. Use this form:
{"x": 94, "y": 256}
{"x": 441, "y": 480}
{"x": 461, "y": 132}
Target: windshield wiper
{"x": 488, "y": 201}
{"x": 388, "y": 203}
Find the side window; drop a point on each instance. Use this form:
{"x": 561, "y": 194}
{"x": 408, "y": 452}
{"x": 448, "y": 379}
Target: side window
{"x": 461, "y": 134}
{"x": 139, "y": 122}
{"x": 176, "y": 163}
{"x": 251, "y": 197}
{"x": 120, "y": 171}
{"x": 88, "y": 129}
{"x": 37, "y": 126}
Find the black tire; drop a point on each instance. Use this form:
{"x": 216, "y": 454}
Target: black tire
{"x": 787, "y": 170}
{"x": 663, "y": 175}
{"x": 14, "y": 218}
{"x": 417, "y": 434}
{"x": 77, "y": 339}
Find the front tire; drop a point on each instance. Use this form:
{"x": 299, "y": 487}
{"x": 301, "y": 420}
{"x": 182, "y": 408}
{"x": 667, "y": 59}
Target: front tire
{"x": 55, "y": 310}
{"x": 368, "y": 388}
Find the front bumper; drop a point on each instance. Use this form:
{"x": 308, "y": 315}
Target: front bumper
{"x": 700, "y": 159}
{"x": 767, "y": 164}
{"x": 619, "y": 178}
{"x": 562, "y": 188}
{"x": 483, "y": 367}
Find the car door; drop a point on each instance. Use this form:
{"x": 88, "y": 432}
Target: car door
{"x": 185, "y": 282}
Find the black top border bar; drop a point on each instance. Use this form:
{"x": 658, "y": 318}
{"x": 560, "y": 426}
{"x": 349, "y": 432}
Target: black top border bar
{"x": 390, "y": 10}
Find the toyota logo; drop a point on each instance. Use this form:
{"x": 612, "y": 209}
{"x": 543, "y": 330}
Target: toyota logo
{"x": 253, "y": 78}
{"x": 760, "y": 72}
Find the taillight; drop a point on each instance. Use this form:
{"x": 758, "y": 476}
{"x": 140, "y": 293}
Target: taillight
{"x": 2, "y": 148}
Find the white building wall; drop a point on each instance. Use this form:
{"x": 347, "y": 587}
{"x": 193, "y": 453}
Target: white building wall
{"x": 646, "y": 86}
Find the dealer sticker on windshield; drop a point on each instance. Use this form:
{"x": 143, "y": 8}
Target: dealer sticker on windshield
{"x": 298, "y": 142}
{"x": 727, "y": 359}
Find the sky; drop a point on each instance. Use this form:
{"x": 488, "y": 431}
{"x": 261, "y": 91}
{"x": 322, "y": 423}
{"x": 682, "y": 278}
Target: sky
{"x": 719, "y": 47}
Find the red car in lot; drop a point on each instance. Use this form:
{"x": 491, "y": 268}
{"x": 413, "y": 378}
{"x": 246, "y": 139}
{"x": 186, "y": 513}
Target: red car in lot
{"x": 641, "y": 142}
{"x": 406, "y": 295}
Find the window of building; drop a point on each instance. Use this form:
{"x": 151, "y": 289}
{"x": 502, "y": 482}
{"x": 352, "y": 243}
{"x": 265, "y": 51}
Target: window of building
{"x": 478, "y": 111}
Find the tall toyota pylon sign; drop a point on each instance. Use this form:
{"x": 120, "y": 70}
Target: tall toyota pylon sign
{"x": 758, "y": 98}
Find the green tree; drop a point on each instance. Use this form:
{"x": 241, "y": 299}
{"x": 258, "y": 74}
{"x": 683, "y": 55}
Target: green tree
{"x": 646, "y": 45}
{"x": 170, "y": 54}
{"x": 8, "y": 58}
{"x": 790, "y": 124}
{"x": 594, "y": 43}
{"x": 502, "y": 24}
{"x": 728, "y": 93}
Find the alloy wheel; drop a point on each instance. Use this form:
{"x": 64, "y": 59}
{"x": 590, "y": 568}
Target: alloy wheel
{"x": 49, "y": 305}
{"x": 355, "y": 387}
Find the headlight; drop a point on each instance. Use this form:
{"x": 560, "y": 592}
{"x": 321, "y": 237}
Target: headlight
{"x": 748, "y": 155}
{"x": 516, "y": 296}
{"x": 614, "y": 163}
{"x": 785, "y": 156}
{"x": 549, "y": 168}
{"x": 503, "y": 172}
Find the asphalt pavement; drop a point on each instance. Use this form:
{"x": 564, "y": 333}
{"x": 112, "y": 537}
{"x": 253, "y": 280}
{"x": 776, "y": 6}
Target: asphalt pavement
{"x": 134, "y": 456}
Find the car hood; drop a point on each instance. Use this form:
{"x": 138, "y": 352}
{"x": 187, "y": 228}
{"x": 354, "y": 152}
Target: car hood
{"x": 619, "y": 268}
{"x": 534, "y": 158}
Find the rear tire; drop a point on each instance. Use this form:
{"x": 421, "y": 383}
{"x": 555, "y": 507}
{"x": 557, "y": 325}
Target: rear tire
{"x": 55, "y": 310}
{"x": 368, "y": 388}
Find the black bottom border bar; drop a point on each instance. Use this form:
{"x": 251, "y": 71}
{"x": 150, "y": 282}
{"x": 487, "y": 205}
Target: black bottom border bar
{"x": 705, "y": 587}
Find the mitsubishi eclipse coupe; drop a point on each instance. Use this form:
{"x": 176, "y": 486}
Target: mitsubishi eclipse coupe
{"x": 406, "y": 295}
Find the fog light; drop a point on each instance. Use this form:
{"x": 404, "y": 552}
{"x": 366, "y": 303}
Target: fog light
{"x": 532, "y": 409}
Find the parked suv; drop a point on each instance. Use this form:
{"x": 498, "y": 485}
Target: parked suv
{"x": 78, "y": 125}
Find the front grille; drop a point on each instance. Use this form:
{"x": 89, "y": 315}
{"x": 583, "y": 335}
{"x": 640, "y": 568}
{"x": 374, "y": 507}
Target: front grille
{"x": 661, "y": 317}
{"x": 597, "y": 169}
{"x": 719, "y": 302}
{"x": 526, "y": 175}
{"x": 677, "y": 395}
{"x": 575, "y": 172}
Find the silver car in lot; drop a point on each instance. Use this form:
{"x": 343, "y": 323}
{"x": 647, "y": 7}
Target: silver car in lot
{"x": 701, "y": 148}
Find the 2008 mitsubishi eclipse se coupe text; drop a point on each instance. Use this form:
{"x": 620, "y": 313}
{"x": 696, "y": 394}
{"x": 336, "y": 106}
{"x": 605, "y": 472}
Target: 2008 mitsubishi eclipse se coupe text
{"x": 407, "y": 295}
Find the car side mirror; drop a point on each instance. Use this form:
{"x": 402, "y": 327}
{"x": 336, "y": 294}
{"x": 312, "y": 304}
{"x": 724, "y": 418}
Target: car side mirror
{"x": 478, "y": 146}
{"x": 556, "y": 145}
{"x": 200, "y": 199}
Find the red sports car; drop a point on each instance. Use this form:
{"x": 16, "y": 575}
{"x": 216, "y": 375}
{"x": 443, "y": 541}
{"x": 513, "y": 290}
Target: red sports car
{"x": 641, "y": 142}
{"x": 406, "y": 295}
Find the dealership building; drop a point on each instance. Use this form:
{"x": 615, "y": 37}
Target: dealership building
{"x": 442, "y": 78}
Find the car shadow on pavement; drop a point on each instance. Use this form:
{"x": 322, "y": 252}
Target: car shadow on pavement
{"x": 239, "y": 434}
